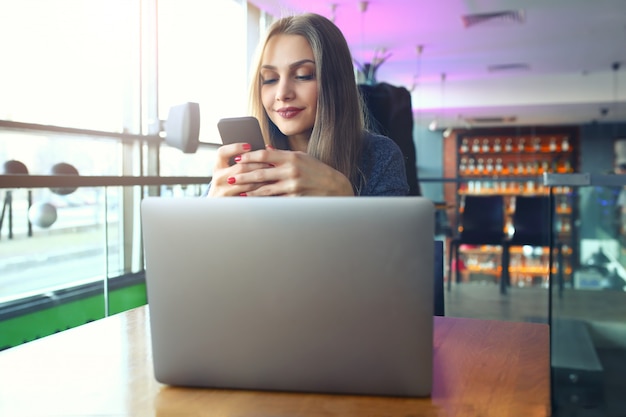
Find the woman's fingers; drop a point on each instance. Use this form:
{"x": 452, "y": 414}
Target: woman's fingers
{"x": 228, "y": 154}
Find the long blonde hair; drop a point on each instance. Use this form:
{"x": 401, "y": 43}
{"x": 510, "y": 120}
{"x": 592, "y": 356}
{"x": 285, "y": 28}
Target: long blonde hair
{"x": 337, "y": 134}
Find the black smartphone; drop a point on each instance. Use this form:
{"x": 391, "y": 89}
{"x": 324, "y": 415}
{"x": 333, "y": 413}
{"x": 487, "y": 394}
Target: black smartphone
{"x": 241, "y": 129}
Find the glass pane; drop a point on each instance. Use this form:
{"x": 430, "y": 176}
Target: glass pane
{"x": 502, "y": 268}
{"x": 589, "y": 313}
{"x": 176, "y": 163}
{"x": 55, "y": 238}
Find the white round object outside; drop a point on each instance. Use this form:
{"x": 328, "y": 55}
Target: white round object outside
{"x": 42, "y": 214}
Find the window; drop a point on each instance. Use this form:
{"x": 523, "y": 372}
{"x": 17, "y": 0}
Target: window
{"x": 92, "y": 65}
{"x": 68, "y": 62}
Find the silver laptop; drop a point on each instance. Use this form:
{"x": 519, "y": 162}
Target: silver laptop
{"x": 315, "y": 294}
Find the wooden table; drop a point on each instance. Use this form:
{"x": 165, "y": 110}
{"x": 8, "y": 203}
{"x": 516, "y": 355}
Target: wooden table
{"x": 481, "y": 368}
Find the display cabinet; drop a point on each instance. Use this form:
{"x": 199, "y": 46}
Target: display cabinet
{"x": 511, "y": 165}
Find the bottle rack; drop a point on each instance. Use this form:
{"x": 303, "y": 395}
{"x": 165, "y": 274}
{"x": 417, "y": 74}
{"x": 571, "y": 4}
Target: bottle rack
{"x": 513, "y": 165}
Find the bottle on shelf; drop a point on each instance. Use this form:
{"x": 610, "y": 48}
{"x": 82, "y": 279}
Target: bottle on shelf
{"x": 565, "y": 144}
{"x": 480, "y": 167}
{"x": 521, "y": 145}
{"x": 475, "y": 146}
{"x": 498, "y": 167}
{"x": 508, "y": 145}
{"x": 464, "y": 146}
{"x": 537, "y": 144}
{"x": 497, "y": 146}
{"x": 567, "y": 167}
{"x": 489, "y": 167}
{"x": 552, "y": 147}
{"x": 463, "y": 166}
{"x": 510, "y": 168}
{"x": 485, "y": 148}
{"x": 471, "y": 166}
{"x": 566, "y": 226}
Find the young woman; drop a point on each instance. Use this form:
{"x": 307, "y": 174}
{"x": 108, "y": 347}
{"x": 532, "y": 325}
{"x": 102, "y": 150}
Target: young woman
{"x": 305, "y": 96}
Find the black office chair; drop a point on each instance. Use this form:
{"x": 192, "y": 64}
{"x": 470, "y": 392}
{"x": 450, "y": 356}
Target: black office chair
{"x": 482, "y": 223}
{"x": 532, "y": 224}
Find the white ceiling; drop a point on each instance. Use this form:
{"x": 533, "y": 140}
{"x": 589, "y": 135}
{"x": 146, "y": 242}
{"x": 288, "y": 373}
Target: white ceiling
{"x": 569, "y": 46}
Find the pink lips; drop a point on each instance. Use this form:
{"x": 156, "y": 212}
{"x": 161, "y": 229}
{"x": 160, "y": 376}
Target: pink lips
{"x": 288, "y": 112}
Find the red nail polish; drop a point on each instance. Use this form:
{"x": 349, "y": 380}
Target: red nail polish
{"x": 237, "y": 158}
{"x": 231, "y": 180}
{"x": 247, "y": 146}
{"x": 243, "y": 195}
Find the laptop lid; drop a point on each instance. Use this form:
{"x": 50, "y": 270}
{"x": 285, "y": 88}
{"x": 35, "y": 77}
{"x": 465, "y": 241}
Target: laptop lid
{"x": 316, "y": 294}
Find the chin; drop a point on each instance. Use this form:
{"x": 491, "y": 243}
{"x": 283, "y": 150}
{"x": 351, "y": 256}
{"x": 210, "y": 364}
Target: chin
{"x": 290, "y": 130}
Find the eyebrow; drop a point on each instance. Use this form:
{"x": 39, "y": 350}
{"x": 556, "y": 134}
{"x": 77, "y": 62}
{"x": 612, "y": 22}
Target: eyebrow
{"x": 291, "y": 66}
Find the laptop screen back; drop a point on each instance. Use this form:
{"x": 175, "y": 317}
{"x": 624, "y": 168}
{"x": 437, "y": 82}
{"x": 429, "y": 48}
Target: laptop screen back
{"x": 328, "y": 294}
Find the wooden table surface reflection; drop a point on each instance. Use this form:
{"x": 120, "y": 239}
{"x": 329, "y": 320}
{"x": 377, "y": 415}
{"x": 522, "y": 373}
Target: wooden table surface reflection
{"x": 104, "y": 368}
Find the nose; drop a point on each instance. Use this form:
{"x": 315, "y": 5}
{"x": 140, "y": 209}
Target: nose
{"x": 285, "y": 90}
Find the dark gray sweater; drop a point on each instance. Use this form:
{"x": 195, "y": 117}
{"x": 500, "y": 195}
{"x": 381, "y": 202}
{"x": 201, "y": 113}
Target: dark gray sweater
{"x": 382, "y": 164}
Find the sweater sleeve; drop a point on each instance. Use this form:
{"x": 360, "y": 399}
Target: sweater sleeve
{"x": 382, "y": 165}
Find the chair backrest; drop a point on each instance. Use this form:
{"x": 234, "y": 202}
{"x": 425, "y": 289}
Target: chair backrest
{"x": 483, "y": 220}
{"x": 531, "y": 220}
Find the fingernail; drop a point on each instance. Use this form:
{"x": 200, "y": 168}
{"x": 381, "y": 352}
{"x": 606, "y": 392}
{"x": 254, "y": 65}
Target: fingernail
{"x": 269, "y": 147}
{"x": 231, "y": 180}
{"x": 247, "y": 146}
{"x": 237, "y": 158}
{"x": 243, "y": 195}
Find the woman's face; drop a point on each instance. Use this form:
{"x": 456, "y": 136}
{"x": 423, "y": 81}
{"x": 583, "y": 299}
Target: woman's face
{"x": 289, "y": 85}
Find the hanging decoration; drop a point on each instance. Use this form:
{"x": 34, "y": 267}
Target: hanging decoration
{"x": 367, "y": 70}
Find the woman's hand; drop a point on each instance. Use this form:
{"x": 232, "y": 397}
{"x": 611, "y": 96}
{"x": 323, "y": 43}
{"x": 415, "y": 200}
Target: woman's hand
{"x": 272, "y": 172}
{"x": 224, "y": 181}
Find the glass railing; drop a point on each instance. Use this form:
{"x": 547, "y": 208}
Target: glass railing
{"x": 68, "y": 259}
{"x": 588, "y": 316}
{"x": 576, "y": 283}
{"x": 88, "y": 263}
